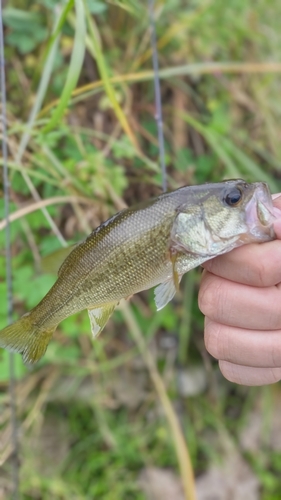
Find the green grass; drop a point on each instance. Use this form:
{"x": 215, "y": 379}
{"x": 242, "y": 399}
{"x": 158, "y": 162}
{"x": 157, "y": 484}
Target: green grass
{"x": 82, "y": 128}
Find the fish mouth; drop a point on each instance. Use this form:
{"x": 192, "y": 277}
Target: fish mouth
{"x": 265, "y": 213}
{"x": 259, "y": 210}
{"x": 260, "y": 214}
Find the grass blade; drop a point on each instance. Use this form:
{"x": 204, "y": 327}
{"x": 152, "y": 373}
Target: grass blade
{"x": 95, "y": 49}
{"x": 76, "y": 62}
{"x": 215, "y": 143}
{"x": 182, "y": 70}
{"x": 45, "y": 79}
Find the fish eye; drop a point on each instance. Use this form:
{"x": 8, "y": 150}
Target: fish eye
{"x": 233, "y": 197}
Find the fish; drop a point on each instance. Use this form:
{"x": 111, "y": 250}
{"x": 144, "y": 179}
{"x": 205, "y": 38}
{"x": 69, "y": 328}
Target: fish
{"x": 152, "y": 244}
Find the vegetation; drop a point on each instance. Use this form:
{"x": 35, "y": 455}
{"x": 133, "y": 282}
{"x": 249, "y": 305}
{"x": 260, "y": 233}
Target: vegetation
{"x": 82, "y": 144}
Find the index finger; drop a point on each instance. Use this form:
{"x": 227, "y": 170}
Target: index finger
{"x": 256, "y": 264}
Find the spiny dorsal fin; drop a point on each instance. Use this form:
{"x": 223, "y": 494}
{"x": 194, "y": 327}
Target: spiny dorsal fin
{"x": 51, "y": 264}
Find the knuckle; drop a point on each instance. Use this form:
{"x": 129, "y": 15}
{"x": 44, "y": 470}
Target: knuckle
{"x": 261, "y": 271}
{"x": 275, "y": 352}
{"x": 209, "y": 295}
{"x": 211, "y": 338}
{"x": 273, "y": 317}
{"x": 218, "y": 340}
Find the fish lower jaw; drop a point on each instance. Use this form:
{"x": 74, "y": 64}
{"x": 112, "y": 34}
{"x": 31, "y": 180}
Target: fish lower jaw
{"x": 260, "y": 234}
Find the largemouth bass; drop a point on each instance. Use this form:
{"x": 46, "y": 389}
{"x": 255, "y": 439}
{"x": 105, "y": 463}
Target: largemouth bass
{"x": 150, "y": 245}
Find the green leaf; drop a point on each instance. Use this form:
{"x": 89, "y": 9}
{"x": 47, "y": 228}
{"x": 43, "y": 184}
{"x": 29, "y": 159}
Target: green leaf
{"x": 20, "y": 20}
{"x": 24, "y": 43}
{"x": 27, "y": 29}
{"x": 96, "y": 7}
{"x": 29, "y": 288}
{"x": 184, "y": 158}
{"x": 49, "y": 4}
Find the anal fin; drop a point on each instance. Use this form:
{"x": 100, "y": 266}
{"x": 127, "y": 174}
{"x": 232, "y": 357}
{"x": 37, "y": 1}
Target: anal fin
{"x": 99, "y": 317}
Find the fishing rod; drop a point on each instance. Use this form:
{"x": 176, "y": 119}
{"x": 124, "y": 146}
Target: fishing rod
{"x": 186, "y": 470}
{"x": 157, "y": 91}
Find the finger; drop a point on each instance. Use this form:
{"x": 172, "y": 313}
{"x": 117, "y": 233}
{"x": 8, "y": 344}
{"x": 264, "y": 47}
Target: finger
{"x": 277, "y": 228}
{"x": 254, "y": 264}
{"x": 245, "y": 375}
{"x": 276, "y": 200}
{"x": 261, "y": 349}
{"x": 242, "y": 306}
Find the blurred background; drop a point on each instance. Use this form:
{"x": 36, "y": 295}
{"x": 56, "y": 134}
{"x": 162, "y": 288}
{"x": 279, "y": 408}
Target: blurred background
{"x": 96, "y": 418}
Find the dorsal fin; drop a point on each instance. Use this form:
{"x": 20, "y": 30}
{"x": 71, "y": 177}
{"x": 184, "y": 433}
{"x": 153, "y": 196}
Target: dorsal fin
{"x": 52, "y": 263}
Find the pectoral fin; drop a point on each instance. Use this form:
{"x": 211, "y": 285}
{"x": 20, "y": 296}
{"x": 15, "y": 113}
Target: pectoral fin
{"x": 99, "y": 317}
{"x": 163, "y": 293}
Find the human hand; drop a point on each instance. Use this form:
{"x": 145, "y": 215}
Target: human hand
{"x": 240, "y": 296}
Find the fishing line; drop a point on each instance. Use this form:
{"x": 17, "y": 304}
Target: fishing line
{"x": 14, "y": 435}
{"x": 157, "y": 91}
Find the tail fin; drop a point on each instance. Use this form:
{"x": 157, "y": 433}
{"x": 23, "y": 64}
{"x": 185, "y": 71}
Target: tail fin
{"x": 25, "y": 338}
